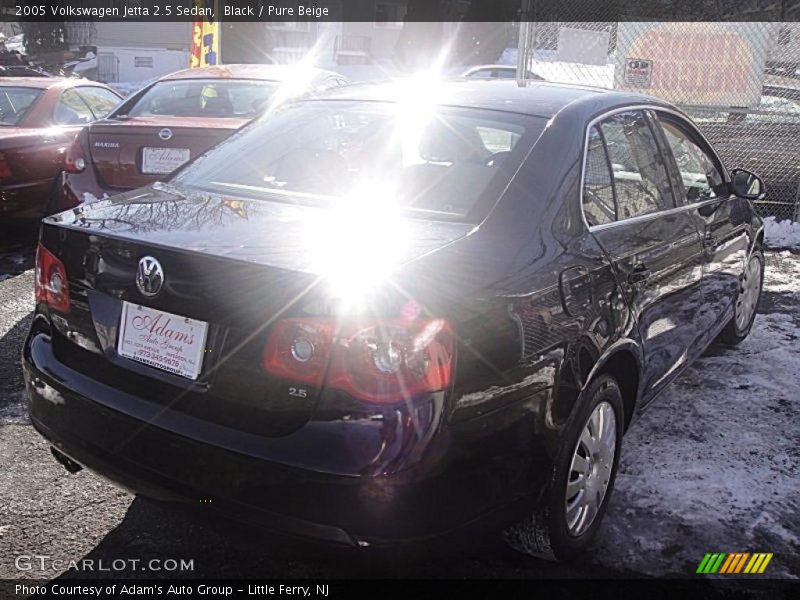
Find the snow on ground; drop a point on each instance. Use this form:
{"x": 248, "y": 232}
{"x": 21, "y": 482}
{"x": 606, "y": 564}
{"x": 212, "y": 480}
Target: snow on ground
{"x": 782, "y": 272}
{"x": 89, "y": 198}
{"x": 781, "y": 234}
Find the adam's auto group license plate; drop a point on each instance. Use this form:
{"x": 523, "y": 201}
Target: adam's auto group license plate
{"x": 163, "y": 160}
{"x": 162, "y": 340}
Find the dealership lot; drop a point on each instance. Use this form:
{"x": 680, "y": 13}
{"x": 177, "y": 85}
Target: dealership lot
{"x": 713, "y": 466}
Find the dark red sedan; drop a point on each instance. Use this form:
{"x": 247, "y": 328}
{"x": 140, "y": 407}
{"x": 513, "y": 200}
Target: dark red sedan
{"x": 176, "y": 119}
{"x": 39, "y": 119}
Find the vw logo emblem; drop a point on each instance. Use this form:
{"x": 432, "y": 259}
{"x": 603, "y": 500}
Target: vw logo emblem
{"x": 165, "y": 134}
{"x": 149, "y": 276}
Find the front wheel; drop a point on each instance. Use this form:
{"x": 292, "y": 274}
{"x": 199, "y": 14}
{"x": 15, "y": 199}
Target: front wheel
{"x": 751, "y": 284}
{"x": 566, "y": 520}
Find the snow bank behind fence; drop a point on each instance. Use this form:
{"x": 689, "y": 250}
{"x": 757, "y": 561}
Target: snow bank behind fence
{"x": 781, "y": 234}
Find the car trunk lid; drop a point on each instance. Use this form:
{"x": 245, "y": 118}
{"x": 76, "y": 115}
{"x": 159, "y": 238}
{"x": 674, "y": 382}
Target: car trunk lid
{"x": 135, "y": 151}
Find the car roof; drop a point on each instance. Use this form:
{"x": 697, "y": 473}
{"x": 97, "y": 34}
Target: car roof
{"x": 35, "y": 82}
{"x": 46, "y": 83}
{"x": 535, "y": 98}
{"x": 497, "y": 67}
{"x": 263, "y": 72}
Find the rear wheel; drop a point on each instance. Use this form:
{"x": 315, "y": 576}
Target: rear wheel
{"x": 567, "y": 518}
{"x": 752, "y": 281}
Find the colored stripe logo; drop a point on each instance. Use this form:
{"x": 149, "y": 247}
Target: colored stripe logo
{"x": 734, "y": 563}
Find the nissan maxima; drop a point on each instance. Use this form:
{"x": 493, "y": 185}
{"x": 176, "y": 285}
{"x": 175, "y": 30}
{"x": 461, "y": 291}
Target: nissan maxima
{"x": 174, "y": 119}
{"x": 395, "y": 311}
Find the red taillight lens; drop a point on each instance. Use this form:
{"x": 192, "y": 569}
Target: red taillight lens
{"x": 300, "y": 349}
{"x": 51, "y": 280}
{"x": 5, "y": 169}
{"x": 382, "y": 360}
{"x": 75, "y": 160}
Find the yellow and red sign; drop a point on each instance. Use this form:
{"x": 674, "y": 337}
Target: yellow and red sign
{"x": 678, "y": 62}
{"x": 205, "y": 37}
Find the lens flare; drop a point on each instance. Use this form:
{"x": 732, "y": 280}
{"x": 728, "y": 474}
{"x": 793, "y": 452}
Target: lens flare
{"x": 358, "y": 242}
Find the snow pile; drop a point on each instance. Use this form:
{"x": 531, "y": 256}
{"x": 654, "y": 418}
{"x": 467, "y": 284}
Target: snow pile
{"x": 781, "y": 234}
{"x": 89, "y": 198}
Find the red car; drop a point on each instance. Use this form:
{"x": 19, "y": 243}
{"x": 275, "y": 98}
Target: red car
{"x": 39, "y": 119}
{"x": 175, "y": 119}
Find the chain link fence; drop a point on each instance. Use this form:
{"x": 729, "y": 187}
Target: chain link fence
{"x": 739, "y": 81}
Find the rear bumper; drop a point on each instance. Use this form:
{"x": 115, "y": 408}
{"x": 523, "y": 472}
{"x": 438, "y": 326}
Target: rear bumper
{"x": 443, "y": 492}
{"x": 25, "y": 201}
{"x": 161, "y": 479}
{"x": 84, "y": 188}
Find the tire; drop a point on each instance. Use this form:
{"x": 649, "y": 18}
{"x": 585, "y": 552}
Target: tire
{"x": 738, "y": 328}
{"x": 550, "y": 532}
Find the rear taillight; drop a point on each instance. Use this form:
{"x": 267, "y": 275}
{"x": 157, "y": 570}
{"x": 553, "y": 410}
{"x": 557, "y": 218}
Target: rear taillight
{"x": 75, "y": 160}
{"x": 379, "y": 360}
{"x": 5, "y": 169}
{"x": 51, "y": 280}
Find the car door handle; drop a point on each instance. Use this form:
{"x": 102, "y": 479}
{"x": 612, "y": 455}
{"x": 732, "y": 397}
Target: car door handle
{"x": 639, "y": 274}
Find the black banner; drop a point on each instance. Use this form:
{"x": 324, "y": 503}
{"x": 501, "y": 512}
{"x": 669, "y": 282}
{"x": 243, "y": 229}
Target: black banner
{"x": 400, "y": 10}
{"x": 651, "y": 589}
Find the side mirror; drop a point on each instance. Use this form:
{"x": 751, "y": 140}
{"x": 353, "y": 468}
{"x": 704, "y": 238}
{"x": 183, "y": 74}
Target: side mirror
{"x": 747, "y": 185}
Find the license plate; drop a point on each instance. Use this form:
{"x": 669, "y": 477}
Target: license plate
{"x": 162, "y": 340}
{"x": 159, "y": 161}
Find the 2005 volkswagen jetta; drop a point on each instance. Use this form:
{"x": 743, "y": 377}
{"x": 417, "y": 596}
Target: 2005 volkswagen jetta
{"x": 381, "y": 315}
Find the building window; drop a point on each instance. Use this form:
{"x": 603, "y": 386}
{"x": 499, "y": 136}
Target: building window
{"x": 143, "y": 61}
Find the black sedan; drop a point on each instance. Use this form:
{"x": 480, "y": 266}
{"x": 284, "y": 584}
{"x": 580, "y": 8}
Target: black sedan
{"x": 396, "y": 311}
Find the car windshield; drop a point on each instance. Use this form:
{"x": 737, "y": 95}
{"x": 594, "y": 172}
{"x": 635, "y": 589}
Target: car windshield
{"x": 215, "y": 98}
{"x": 445, "y": 163}
{"x": 15, "y": 102}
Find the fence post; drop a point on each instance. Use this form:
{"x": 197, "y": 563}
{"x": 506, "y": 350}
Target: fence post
{"x": 796, "y": 216}
{"x": 523, "y": 41}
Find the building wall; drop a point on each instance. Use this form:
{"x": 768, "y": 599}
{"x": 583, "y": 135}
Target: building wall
{"x": 160, "y": 34}
{"x": 139, "y": 64}
{"x": 334, "y": 42}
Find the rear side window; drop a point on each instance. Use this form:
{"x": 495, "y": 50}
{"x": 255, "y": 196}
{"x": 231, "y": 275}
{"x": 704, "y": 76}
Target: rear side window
{"x": 641, "y": 183}
{"x": 700, "y": 177}
{"x": 15, "y": 102}
{"x": 71, "y": 109}
{"x": 625, "y": 175}
{"x": 100, "y": 101}
{"x": 598, "y": 190}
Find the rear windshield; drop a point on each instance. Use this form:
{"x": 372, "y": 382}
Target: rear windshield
{"x": 447, "y": 163}
{"x": 204, "y": 98}
{"x": 15, "y": 102}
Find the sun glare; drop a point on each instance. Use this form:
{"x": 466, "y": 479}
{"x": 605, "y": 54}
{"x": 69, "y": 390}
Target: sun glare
{"x": 357, "y": 244}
